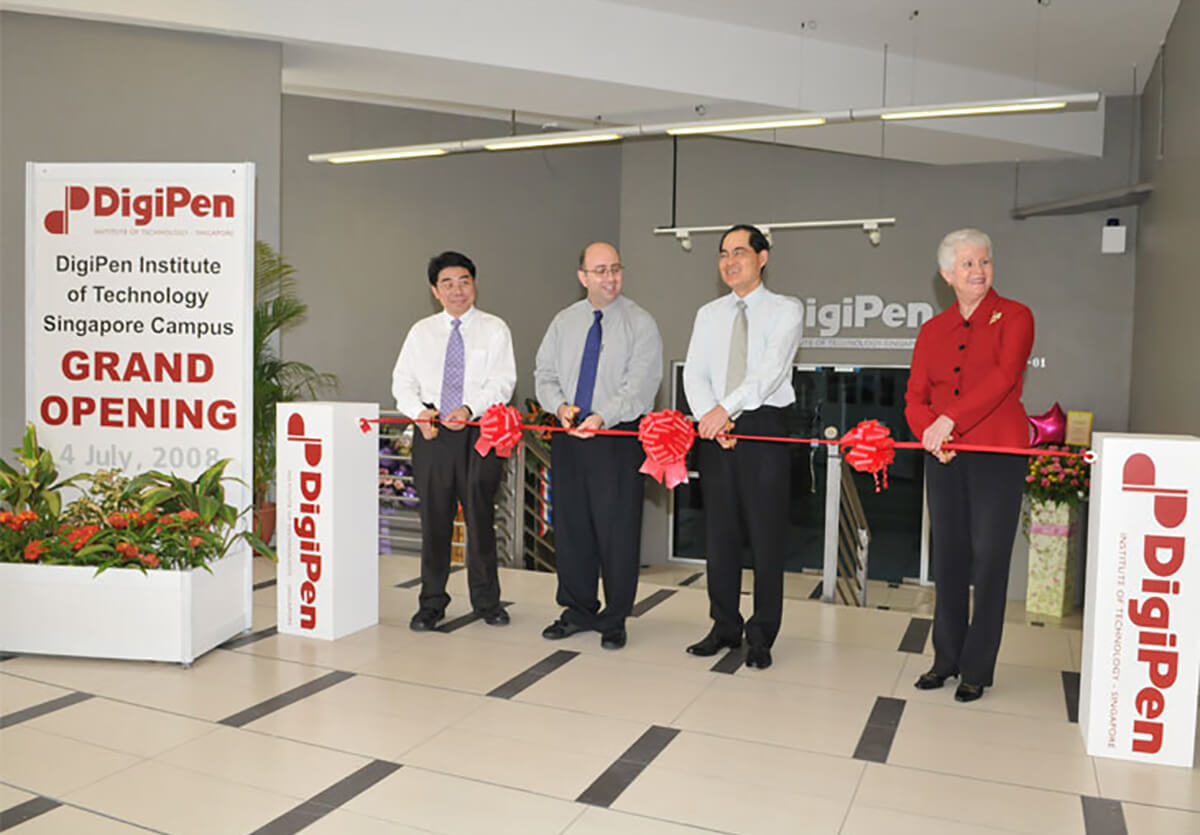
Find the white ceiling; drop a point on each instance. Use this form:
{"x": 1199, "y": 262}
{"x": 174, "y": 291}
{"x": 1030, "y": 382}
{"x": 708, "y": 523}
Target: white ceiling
{"x": 570, "y": 62}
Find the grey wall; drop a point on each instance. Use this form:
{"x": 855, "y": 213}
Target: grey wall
{"x": 361, "y": 235}
{"x": 1082, "y": 300}
{"x": 74, "y": 91}
{"x": 1165, "y": 397}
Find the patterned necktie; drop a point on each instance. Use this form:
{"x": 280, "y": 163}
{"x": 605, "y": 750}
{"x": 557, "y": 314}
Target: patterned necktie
{"x": 587, "y": 369}
{"x": 452, "y": 370}
{"x": 735, "y": 372}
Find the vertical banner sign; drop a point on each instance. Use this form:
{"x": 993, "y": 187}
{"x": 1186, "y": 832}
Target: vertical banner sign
{"x": 139, "y": 314}
{"x": 1141, "y": 640}
{"x": 327, "y": 491}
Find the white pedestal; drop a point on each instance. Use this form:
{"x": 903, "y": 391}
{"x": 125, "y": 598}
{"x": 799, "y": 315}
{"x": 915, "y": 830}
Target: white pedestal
{"x": 328, "y": 505}
{"x": 1141, "y": 640}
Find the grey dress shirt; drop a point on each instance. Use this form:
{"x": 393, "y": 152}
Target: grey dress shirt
{"x": 630, "y": 366}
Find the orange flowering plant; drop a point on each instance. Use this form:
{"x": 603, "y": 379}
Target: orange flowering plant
{"x": 153, "y": 520}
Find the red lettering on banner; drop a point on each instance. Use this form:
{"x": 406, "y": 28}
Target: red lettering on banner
{"x": 145, "y": 412}
{"x": 145, "y": 207}
{"x": 305, "y": 524}
{"x": 1163, "y": 556}
{"x": 108, "y": 365}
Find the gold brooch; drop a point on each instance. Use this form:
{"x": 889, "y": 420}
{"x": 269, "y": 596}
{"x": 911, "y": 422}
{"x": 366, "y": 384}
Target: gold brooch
{"x": 996, "y": 314}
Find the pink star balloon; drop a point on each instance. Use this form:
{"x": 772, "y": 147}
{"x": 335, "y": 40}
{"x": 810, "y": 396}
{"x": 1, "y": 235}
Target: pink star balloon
{"x": 1050, "y": 427}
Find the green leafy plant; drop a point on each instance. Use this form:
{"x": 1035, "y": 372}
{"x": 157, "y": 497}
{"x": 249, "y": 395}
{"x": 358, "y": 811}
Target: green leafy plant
{"x": 277, "y": 308}
{"x": 154, "y": 520}
{"x": 34, "y": 487}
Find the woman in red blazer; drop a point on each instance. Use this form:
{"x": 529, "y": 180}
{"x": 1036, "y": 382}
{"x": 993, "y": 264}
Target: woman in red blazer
{"x": 965, "y": 386}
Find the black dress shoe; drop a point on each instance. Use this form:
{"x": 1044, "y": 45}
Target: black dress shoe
{"x": 712, "y": 643}
{"x": 968, "y": 692}
{"x": 932, "y": 680}
{"x": 495, "y": 616}
{"x": 758, "y": 657}
{"x": 613, "y": 638}
{"x": 561, "y": 629}
{"x": 425, "y": 619}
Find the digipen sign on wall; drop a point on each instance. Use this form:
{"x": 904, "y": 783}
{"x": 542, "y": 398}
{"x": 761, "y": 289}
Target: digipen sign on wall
{"x": 139, "y": 315}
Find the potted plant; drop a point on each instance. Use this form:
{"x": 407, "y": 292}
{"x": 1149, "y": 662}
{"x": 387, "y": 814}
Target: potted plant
{"x": 65, "y": 583}
{"x": 1055, "y": 486}
{"x": 277, "y": 308}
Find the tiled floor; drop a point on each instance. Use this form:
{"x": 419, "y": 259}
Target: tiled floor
{"x": 495, "y": 730}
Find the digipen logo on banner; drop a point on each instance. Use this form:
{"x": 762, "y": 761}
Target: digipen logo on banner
{"x": 109, "y": 201}
{"x": 304, "y": 523}
{"x": 1163, "y": 555}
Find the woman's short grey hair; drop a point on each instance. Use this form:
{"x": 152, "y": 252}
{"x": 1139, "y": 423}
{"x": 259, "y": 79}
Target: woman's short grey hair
{"x": 959, "y": 237}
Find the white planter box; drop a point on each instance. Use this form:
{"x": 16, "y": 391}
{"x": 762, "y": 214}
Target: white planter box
{"x": 156, "y": 616}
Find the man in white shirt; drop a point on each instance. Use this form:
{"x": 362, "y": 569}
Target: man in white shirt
{"x": 738, "y": 371}
{"x": 452, "y": 367}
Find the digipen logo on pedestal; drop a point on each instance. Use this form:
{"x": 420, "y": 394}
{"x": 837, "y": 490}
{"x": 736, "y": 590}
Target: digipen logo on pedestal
{"x": 304, "y": 523}
{"x": 1163, "y": 556}
{"x": 163, "y": 201}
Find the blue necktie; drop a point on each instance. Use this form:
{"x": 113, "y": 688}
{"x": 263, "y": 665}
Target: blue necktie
{"x": 587, "y": 369}
{"x": 452, "y": 371}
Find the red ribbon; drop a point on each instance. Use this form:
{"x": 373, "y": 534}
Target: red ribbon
{"x": 499, "y": 429}
{"x": 666, "y": 437}
{"x": 871, "y": 449}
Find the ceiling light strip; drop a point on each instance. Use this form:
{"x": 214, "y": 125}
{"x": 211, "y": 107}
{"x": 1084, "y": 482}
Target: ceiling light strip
{"x": 778, "y": 121}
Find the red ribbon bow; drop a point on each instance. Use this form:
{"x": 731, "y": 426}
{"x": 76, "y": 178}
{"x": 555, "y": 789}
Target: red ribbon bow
{"x": 499, "y": 429}
{"x": 666, "y": 437}
{"x": 872, "y": 449}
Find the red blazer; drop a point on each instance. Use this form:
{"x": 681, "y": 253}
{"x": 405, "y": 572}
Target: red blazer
{"x": 972, "y": 371}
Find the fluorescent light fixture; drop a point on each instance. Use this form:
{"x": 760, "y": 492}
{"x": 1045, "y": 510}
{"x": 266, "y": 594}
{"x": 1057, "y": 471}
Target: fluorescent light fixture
{"x": 994, "y": 107}
{"x": 549, "y": 140}
{"x": 983, "y": 110}
{"x": 384, "y": 154}
{"x": 1053, "y": 104}
{"x": 737, "y": 127}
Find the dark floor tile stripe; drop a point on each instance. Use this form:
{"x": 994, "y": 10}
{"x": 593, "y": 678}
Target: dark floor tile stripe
{"x": 288, "y": 697}
{"x": 26, "y": 811}
{"x": 34, "y": 711}
{"x": 331, "y": 798}
{"x": 817, "y": 591}
{"x": 465, "y": 620}
{"x": 265, "y": 584}
{"x": 416, "y": 581}
{"x": 916, "y": 635}
{"x": 534, "y": 674}
{"x": 253, "y": 637}
{"x": 1103, "y": 817}
{"x": 1070, "y": 683}
{"x": 876, "y": 741}
{"x": 650, "y": 601}
{"x": 730, "y": 662}
{"x": 606, "y": 788}
{"x": 688, "y": 581}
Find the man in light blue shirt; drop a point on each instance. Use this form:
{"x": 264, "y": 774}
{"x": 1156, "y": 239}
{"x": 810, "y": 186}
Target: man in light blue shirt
{"x": 598, "y": 367}
{"x": 738, "y": 379}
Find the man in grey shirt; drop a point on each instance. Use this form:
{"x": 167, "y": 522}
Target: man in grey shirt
{"x": 598, "y": 367}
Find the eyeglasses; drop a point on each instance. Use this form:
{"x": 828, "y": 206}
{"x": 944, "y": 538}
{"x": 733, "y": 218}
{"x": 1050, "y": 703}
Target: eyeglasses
{"x": 606, "y": 270}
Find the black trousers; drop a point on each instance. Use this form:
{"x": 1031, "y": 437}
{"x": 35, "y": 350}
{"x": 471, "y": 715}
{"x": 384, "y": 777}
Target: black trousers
{"x": 746, "y": 493}
{"x": 974, "y": 505}
{"x": 597, "y": 503}
{"x": 446, "y": 471}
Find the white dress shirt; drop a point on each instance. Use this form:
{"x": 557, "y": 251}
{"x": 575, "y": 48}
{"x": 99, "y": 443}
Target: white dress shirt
{"x": 490, "y": 372}
{"x": 775, "y": 323}
{"x": 627, "y": 373}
